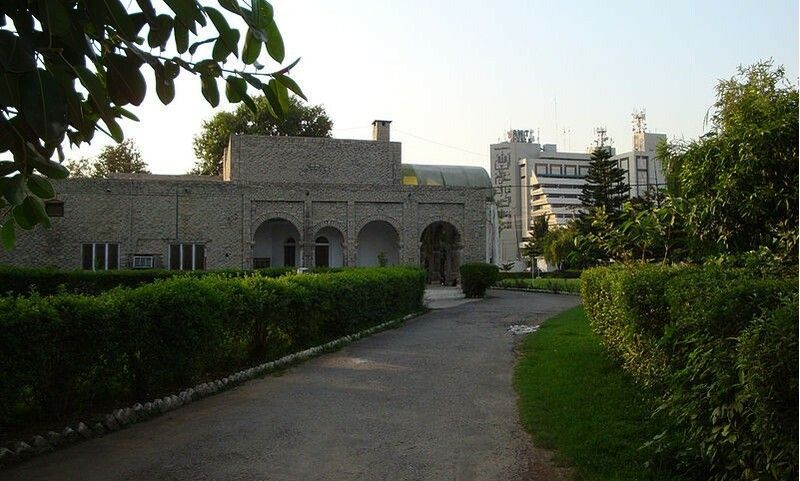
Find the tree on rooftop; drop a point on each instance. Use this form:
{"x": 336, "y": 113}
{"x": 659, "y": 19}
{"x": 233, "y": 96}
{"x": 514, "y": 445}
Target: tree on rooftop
{"x": 121, "y": 158}
{"x": 299, "y": 120}
{"x": 71, "y": 68}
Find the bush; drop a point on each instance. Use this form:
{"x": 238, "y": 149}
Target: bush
{"x": 23, "y": 281}
{"x": 477, "y": 277}
{"x": 69, "y": 353}
{"x": 721, "y": 348}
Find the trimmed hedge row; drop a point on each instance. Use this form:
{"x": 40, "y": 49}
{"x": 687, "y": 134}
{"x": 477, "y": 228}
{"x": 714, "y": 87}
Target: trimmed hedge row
{"x": 476, "y": 277}
{"x": 46, "y": 282}
{"x": 721, "y": 348}
{"x": 70, "y": 353}
{"x": 550, "y": 284}
{"x": 564, "y": 274}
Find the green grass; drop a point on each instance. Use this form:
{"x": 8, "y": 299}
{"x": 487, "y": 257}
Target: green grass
{"x": 550, "y": 284}
{"x": 573, "y": 398}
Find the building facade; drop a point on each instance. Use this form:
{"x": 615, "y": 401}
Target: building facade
{"x": 281, "y": 201}
{"x": 534, "y": 180}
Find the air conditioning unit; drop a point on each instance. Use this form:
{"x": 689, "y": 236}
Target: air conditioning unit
{"x": 143, "y": 262}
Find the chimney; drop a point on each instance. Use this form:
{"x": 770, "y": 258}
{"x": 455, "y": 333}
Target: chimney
{"x": 380, "y": 130}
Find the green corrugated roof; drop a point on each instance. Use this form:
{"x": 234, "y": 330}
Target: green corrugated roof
{"x": 447, "y": 175}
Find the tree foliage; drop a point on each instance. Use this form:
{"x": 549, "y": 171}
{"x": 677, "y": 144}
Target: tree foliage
{"x": 741, "y": 178}
{"x": 605, "y": 183}
{"x": 69, "y": 68}
{"x": 121, "y": 158}
{"x": 299, "y": 120}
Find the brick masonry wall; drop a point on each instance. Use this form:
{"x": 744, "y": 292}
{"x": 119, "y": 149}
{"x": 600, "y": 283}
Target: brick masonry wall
{"x": 313, "y": 183}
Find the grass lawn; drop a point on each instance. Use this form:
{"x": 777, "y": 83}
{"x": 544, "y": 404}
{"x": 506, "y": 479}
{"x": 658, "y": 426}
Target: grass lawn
{"x": 549, "y": 283}
{"x": 574, "y": 399}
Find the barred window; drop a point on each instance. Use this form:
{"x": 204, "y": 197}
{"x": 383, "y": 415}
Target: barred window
{"x": 187, "y": 257}
{"x": 100, "y": 256}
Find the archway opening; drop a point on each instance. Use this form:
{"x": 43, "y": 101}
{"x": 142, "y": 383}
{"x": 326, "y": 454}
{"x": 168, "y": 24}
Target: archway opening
{"x": 440, "y": 253}
{"x": 378, "y": 244}
{"x": 276, "y": 244}
{"x": 329, "y": 248}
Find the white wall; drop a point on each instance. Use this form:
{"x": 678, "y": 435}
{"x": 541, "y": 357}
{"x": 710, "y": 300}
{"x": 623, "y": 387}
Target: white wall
{"x": 375, "y": 237}
{"x": 270, "y": 237}
{"x": 336, "y": 250}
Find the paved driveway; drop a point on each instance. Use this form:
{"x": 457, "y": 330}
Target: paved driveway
{"x": 430, "y": 400}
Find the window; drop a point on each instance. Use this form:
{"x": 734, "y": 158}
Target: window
{"x": 555, "y": 169}
{"x": 322, "y": 252}
{"x": 54, "y": 208}
{"x": 289, "y": 252}
{"x": 143, "y": 262}
{"x": 100, "y": 256}
{"x": 541, "y": 169}
{"x": 261, "y": 262}
{"x": 187, "y": 257}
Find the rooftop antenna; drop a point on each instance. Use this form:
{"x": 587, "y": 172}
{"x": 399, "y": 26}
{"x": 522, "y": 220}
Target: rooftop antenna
{"x": 639, "y": 121}
{"x": 602, "y": 137}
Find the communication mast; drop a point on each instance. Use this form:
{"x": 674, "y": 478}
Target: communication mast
{"x": 639, "y": 121}
{"x": 602, "y": 137}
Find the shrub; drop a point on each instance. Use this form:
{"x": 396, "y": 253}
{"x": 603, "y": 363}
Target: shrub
{"x": 477, "y": 277}
{"x": 70, "y": 353}
{"x": 721, "y": 348}
{"x": 23, "y": 281}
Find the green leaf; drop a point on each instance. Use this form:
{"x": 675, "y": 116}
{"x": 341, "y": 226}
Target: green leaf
{"x": 160, "y": 31}
{"x": 210, "y": 89}
{"x": 124, "y": 80}
{"x": 117, "y": 16}
{"x": 13, "y": 189}
{"x": 195, "y": 45}
{"x": 252, "y": 48}
{"x": 231, "y": 6}
{"x": 262, "y": 14}
{"x": 147, "y": 8}
{"x": 41, "y": 187}
{"x": 21, "y": 218}
{"x": 51, "y": 169}
{"x": 7, "y": 234}
{"x": 43, "y": 104}
{"x": 114, "y": 130}
{"x": 126, "y": 113}
{"x": 282, "y": 94}
{"x": 7, "y": 167}
{"x": 228, "y": 37}
{"x": 165, "y": 86}
{"x": 33, "y": 209}
{"x": 272, "y": 101}
{"x": 291, "y": 85}
{"x": 275, "y": 46}
{"x": 55, "y": 17}
{"x": 92, "y": 84}
{"x": 187, "y": 12}
{"x": 181, "y": 37}
{"x": 234, "y": 88}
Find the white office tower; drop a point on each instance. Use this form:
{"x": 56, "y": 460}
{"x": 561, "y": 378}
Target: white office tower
{"x": 531, "y": 180}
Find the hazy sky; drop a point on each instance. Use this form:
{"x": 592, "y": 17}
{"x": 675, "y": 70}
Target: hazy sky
{"x": 454, "y": 76}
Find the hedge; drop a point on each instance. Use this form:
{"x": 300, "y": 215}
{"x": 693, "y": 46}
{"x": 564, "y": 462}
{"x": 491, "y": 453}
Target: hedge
{"x": 69, "y": 353}
{"x": 24, "y": 281}
{"x": 720, "y": 347}
{"x": 476, "y": 277}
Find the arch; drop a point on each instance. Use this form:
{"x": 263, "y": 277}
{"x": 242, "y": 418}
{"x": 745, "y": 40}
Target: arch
{"x": 378, "y": 242}
{"x": 440, "y": 252}
{"x": 329, "y": 247}
{"x": 276, "y": 244}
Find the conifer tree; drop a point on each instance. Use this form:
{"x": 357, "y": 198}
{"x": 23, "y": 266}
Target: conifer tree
{"x": 605, "y": 183}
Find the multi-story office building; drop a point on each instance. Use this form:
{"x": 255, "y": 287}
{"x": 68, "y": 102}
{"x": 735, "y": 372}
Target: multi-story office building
{"x": 533, "y": 180}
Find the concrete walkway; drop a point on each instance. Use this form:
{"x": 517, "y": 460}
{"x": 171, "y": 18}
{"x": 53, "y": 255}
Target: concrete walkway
{"x": 430, "y": 400}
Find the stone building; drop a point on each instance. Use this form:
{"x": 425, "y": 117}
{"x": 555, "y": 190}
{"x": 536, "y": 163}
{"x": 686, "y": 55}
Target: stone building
{"x": 281, "y": 201}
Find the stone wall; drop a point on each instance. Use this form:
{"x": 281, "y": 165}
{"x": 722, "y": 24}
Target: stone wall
{"x": 290, "y": 160}
{"x": 146, "y": 215}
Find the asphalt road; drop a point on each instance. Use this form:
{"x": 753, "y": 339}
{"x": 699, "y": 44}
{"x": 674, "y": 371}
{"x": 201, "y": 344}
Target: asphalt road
{"x": 431, "y": 400}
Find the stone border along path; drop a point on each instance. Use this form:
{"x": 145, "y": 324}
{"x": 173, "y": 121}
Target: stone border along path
{"x": 431, "y": 400}
{"x": 540, "y": 291}
{"x": 122, "y": 418}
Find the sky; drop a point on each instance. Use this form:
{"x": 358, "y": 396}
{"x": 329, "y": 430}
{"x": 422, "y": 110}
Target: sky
{"x": 453, "y": 77}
